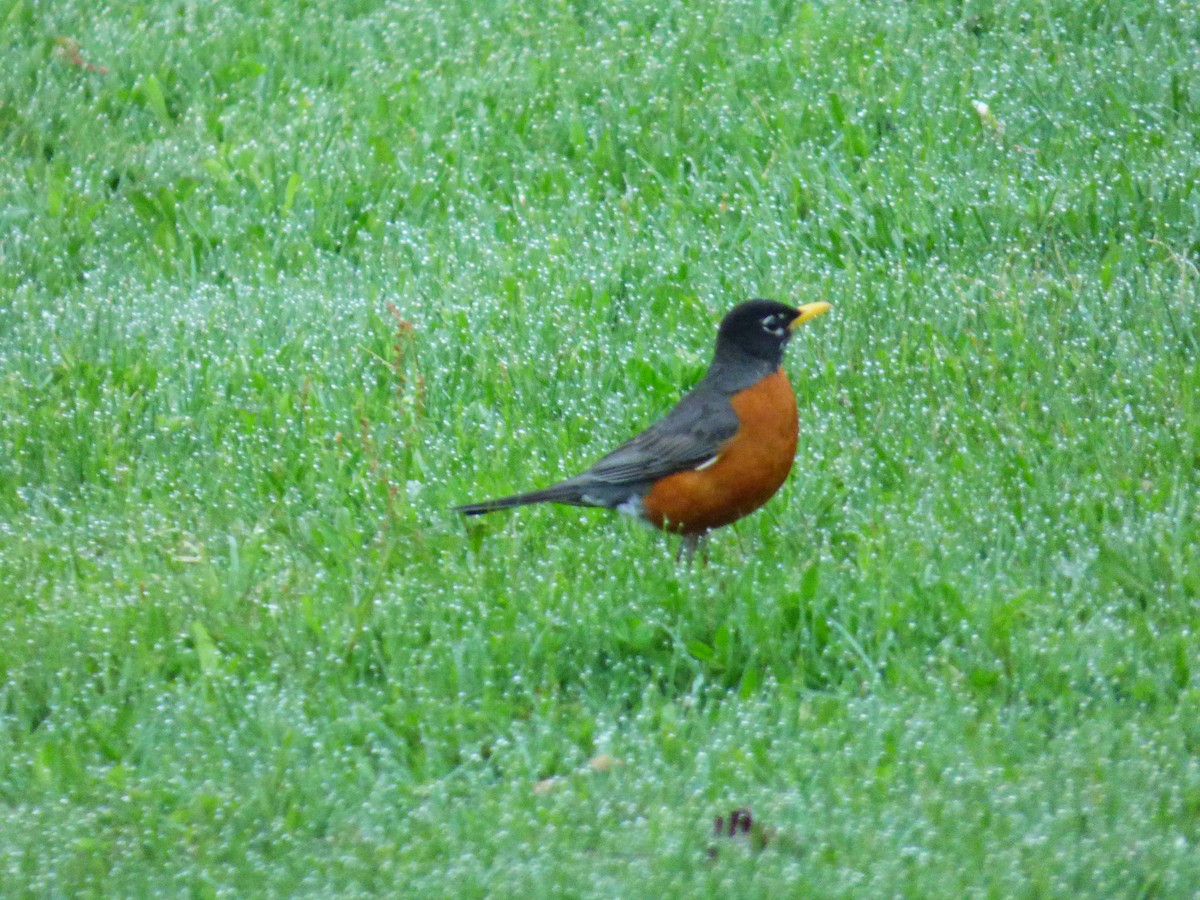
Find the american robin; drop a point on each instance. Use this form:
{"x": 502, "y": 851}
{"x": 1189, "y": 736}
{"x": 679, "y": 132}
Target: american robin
{"x": 720, "y": 454}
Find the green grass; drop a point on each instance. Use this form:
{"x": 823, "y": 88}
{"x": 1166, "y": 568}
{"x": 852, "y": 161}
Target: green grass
{"x": 284, "y": 282}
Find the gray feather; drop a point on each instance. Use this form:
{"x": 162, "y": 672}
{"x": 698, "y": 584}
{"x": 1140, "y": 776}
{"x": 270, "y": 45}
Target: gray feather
{"x": 689, "y": 436}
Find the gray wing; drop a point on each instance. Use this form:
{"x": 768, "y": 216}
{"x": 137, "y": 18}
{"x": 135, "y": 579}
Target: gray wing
{"x": 690, "y": 435}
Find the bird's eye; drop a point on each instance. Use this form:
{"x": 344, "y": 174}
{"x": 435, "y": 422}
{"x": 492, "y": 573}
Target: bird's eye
{"x": 773, "y": 324}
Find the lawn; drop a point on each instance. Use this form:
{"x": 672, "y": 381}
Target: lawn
{"x": 281, "y": 283}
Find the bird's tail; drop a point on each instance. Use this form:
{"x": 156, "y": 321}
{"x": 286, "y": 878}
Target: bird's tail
{"x": 558, "y": 493}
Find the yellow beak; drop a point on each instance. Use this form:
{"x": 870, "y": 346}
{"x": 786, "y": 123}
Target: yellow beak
{"x": 807, "y": 312}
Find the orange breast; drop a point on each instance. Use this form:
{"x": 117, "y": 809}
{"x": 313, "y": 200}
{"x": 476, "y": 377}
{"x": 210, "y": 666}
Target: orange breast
{"x": 749, "y": 470}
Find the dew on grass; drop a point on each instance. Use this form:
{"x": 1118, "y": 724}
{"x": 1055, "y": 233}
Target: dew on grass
{"x": 926, "y": 481}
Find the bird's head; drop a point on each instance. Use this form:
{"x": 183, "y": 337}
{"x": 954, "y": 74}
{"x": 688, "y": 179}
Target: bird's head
{"x": 762, "y": 328}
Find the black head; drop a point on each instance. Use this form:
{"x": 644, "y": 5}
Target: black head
{"x": 761, "y": 329}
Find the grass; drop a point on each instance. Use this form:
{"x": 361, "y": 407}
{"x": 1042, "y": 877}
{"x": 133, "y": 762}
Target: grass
{"x": 279, "y": 284}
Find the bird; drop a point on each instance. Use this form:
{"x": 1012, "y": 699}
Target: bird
{"x": 718, "y": 455}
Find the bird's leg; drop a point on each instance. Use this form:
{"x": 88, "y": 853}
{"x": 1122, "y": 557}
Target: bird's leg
{"x": 688, "y": 546}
